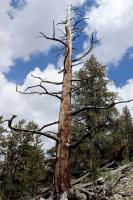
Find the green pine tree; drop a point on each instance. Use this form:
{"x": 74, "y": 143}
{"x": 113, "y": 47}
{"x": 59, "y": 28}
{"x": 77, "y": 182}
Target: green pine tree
{"x": 127, "y": 130}
{"x": 92, "y": 91}
{"x": 23, "y": 166}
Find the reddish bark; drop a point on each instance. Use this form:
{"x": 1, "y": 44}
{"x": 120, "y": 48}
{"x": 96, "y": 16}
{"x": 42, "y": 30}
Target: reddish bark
{"x": 63, "y": 165}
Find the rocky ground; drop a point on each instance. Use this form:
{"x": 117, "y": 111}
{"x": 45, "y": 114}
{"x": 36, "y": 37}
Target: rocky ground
{"x": 113, "y": 184}
{"x": 124, "y": 189}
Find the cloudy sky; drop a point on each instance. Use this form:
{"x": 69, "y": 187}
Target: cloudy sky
{"x": 22, "y": 53}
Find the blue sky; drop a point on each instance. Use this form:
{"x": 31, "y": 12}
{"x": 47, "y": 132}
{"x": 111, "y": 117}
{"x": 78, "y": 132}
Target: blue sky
{"x": 123, "y": 71}
{"x": 20, "y": 68}
{"x": 23, "y": 54}
{"x": 118, "y": 72}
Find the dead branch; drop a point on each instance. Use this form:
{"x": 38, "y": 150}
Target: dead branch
{"x": 79, "y": 21}
{"x": 2, "y": 122}
{"x": 47, "y": 125}
{"x": 62, "y": 23}
{"x": 80, "y": 80}
{"x": 77, "y": 64}
{"x": 46, "y": 92}
{"x": 88, "y": 51}
{"x": 107, "y": 167}
{"x": 117, "y": 181}
{"x": 79, "y": 141}
{"x": 52, "y": 38}
{"x": 44, "y": 81}
{"x": 61, "y": 71}
{"x": 99, "y": 108}
{"x": 66, "y": 55}
{"x": 80, "y": 32}
{"x": 80, "y": 179}
{"x": 122, "y": 168}
{"x": 48, "y": 134}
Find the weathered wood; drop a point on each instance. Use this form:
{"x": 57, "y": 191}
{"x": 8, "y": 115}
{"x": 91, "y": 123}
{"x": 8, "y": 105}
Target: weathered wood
{"x": 122, "y": 168}
{"x": 76, "y": 194}
{"x": 79, "y": 180}
{"x": 64, "y": 196}
{"x": 62, "y": 174}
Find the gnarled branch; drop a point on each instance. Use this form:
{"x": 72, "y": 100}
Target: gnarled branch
{"x": 78, "y": 34}
{"x": 88, "y": 51}
{"x": 100, "y": 108}
{"x": 44, "y": 81}
{"x": 46, "y": 92}
{"x": 47, "y": 125}
{"x": 84, "y": 79}
{"x": 52, "y": 38}
{"x": 77, "y": 64}
{"x": 79, "y": 141}
{"x": 48, "y": 134}
{"x": 79, "y": 21}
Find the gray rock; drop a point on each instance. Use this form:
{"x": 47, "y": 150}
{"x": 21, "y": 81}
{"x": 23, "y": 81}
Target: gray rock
{"x": 100, "y": 181}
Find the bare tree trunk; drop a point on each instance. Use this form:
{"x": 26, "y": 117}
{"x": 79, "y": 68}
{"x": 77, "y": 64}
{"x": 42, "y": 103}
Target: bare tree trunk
{"x": 63, "y": 166}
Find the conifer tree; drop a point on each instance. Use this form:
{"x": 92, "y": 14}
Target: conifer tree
{"x": 92, "y": 91}
{"x": 2, "y": 139}
{"x": 127, "y": 130}
{"x": 23, "y": 165}
{"x": 62, "y": 164}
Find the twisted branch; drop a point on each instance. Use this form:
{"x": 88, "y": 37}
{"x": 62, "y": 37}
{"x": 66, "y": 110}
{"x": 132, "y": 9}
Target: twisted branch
{"x": 74, "y": 144}
{"x": 44, "y": 81}
{"x": 46, "y": 92}
{"x": 79, "y": 21}
{"x": 52, "y": 38}
{"x": 46, "y": 134}
{"x": 88, "y": 51}
{"x": 47, "y": 125}
{"x": 100, "y": 108}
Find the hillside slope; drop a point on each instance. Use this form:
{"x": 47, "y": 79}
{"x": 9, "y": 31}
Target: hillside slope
{"x": 124, "y": 189}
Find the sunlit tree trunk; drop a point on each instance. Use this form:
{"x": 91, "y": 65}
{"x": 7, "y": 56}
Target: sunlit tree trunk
{"x": 63, "y": 166}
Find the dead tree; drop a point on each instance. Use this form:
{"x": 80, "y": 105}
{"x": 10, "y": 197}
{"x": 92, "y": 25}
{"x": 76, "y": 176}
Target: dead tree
{"x": 62, "y": 172}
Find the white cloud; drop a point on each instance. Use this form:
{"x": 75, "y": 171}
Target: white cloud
{"x": 113, "y": 21}
{"x": 18, "y": 31}
{"x": 125, "y": 93}
{"x": 41, "y": 109}
{"x": 18, "y": 35}
{"x": 44, "y": 109}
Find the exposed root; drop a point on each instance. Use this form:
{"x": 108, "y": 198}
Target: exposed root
{"x": 102, "y": 190}
{"x": 76, "y": 194}
{"x": 64, "y": 196}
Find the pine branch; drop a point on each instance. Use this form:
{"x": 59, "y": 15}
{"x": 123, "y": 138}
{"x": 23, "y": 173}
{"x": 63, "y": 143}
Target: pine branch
{"x": 48, "y": 134}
